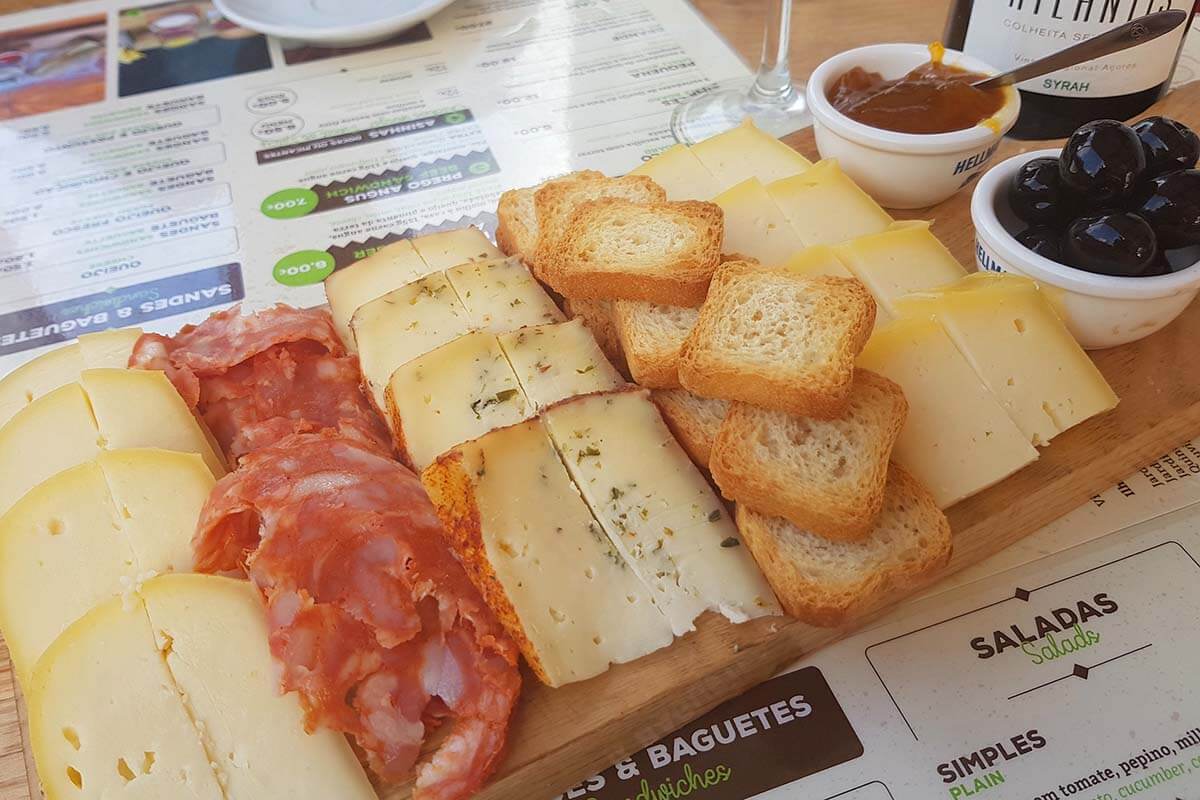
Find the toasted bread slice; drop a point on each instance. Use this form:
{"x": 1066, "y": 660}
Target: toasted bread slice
{"x": 554, "y": 203}
{"x": 651, "y": 336}
{"x": 828, "y": 583}
{"x": 599, "y": 317}
{"x": 825, "y": 476}
{"x": 658, "y": 252}
{"x": 778, "y": 340}
{"x": 517, "y": 227}
{"x": 694, "y": 420}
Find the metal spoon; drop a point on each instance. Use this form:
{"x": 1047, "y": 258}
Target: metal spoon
{"x": 1120, "y": 38}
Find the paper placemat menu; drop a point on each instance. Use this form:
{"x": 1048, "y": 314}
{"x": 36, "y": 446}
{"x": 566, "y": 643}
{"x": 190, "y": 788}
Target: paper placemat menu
{"x": 160, "y": 162}
{"x": 1070, "y": 677}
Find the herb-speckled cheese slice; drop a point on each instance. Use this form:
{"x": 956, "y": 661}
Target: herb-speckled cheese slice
{"x": 385, "y": 270}
{"x": 501, "y": 295}
{"x": 658, "y": 509}
{"x": 403, "y": 324}
{"x": 531, "y": 545}
{"x": 554, "y": 362}
{"x": 446, "y": 249}
{"x": 453, "y": 394}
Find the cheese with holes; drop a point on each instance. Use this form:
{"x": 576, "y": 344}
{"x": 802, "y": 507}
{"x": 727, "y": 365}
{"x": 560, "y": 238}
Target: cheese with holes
{"x": 53, "y": 433}
{"x": 824, "y": 206}
{"x": 453, "y": 394}
{"x": 87, "y": 534}
{"x": 352, "y": 287}
{"x": 38, "y": 377}
{"x": 213, "y": 634}
{"x": 501, "y": 295}
{"x": 191, "y": 704}
{"x": 138, "y": 742}
{"x": 957, "y": 439}
{"x": 447, "y": 249}
{"x": 754, "y": 225}
{"x": 680, "y": 174}
{"x": 106, "y": 409}
{"x": 1017, "y": 344}
{"x": 403, "y": 324}
{"x": 140, "y": 408}
{"x": 903, "y": 259}
{"x": 746, "y": 152}
{"x": 530, "y": 544}
{"x": 818, "y": 260}
{"x": 554, "y": 362}
{"x": 657, "y": 509}
{"x": 62, "y": 365}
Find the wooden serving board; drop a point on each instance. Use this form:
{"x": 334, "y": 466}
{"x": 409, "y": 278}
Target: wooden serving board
{"x": 560, "y": 736}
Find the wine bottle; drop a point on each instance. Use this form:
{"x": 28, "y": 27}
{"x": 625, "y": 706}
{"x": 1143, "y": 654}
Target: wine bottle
{"x": 1007, "y": 33}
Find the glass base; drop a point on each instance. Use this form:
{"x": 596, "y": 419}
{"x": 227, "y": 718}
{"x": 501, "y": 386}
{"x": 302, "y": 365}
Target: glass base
{"x": 722, "y": 109}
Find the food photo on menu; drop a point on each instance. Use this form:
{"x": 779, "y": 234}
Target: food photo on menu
{"x": 446, "y": 399}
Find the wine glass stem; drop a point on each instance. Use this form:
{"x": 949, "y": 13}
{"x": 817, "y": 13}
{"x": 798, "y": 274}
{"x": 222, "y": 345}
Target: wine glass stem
{"x": 773, "y": 84}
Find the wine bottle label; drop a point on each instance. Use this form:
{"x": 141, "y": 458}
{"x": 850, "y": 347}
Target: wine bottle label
{"x": 1008, "y": 33}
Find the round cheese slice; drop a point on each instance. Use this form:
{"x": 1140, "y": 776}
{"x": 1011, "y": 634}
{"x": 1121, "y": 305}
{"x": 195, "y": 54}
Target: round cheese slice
{"x": 90, "y": 533}
{"x": 174, "y": 694}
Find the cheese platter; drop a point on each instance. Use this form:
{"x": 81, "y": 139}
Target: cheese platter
{"x": 568, "y": 525}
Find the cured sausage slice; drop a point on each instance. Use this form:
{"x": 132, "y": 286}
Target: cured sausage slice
{"x": 255, "y": 378}
{"x": 374, "y": 621}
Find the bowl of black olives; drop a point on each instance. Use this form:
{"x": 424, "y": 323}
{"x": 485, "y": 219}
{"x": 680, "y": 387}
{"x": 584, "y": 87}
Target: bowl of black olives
{"x": 1112, "y": 220}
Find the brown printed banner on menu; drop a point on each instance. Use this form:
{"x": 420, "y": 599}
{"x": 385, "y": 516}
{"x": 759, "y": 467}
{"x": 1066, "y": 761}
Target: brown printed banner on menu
{"x": 778, "y": 732}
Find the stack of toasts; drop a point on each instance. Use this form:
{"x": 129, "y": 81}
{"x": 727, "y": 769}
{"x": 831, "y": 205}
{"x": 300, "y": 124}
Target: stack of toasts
{"x": 753, "y": 368}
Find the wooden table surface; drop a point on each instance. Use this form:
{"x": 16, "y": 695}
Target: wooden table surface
{"x": 820, "y": 28}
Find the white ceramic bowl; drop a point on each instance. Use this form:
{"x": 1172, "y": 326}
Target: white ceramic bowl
{"x": 903, "y": 170}
{"x": 1101, "y": 310}
{"x": 331, "y": 23}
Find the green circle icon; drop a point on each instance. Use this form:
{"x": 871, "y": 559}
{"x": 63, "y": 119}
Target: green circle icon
{"x": 290, "y": 203}
{"x": 454, "y": 117}
{"x": 303, "y": 267}
{"x": 479, "y": 167}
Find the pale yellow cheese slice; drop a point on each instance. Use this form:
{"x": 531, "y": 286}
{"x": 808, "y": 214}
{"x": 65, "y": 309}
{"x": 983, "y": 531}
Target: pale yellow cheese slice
{"x": 755, "y": 226}
{"x": 141, "y": 408}
{"x": 213, "y": 634}
{"x": 38, "y": 377}
{"x": 554, "y": 362}
{"x": 158, "y": 495}
{"x": 824, "y": 206}
{"x": 105, "y": 718}
{"x": 89, "y": 533}
{"x": 62, "y": 365}
{"x": 354, "y": 286}
{"x": 903, "y": 259}
{"x": 108, "y": 348}
{"x": 657, "y": 509}
{"x": 680, "y": 174}
{"x": 447, "y": 249}
{"x": 1017, "y": 344}
{"x": 565, "y": 594}
{"x": 501, "y": 295}
{"x": 403, "y": 324}
{"x": 453, "y": 394}
{"x": 53, "y": 433}
{"x": 61, "y": 552}
{"x": 746, "y": 152}
{"x": 957, "y": 439}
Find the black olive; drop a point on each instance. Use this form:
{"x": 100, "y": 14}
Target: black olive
{"x": 1110, "y": 243}
{"x": 1037, "y": 195}
{"x": 1171, "y": 204}
{"x": 1169, "y": 145}
{"x": 1043, "y": 240}
{"x": 1102, "y": 162}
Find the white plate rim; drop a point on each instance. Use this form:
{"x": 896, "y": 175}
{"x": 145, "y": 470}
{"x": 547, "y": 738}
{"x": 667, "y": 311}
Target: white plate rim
{"x": 379, "y": 28}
